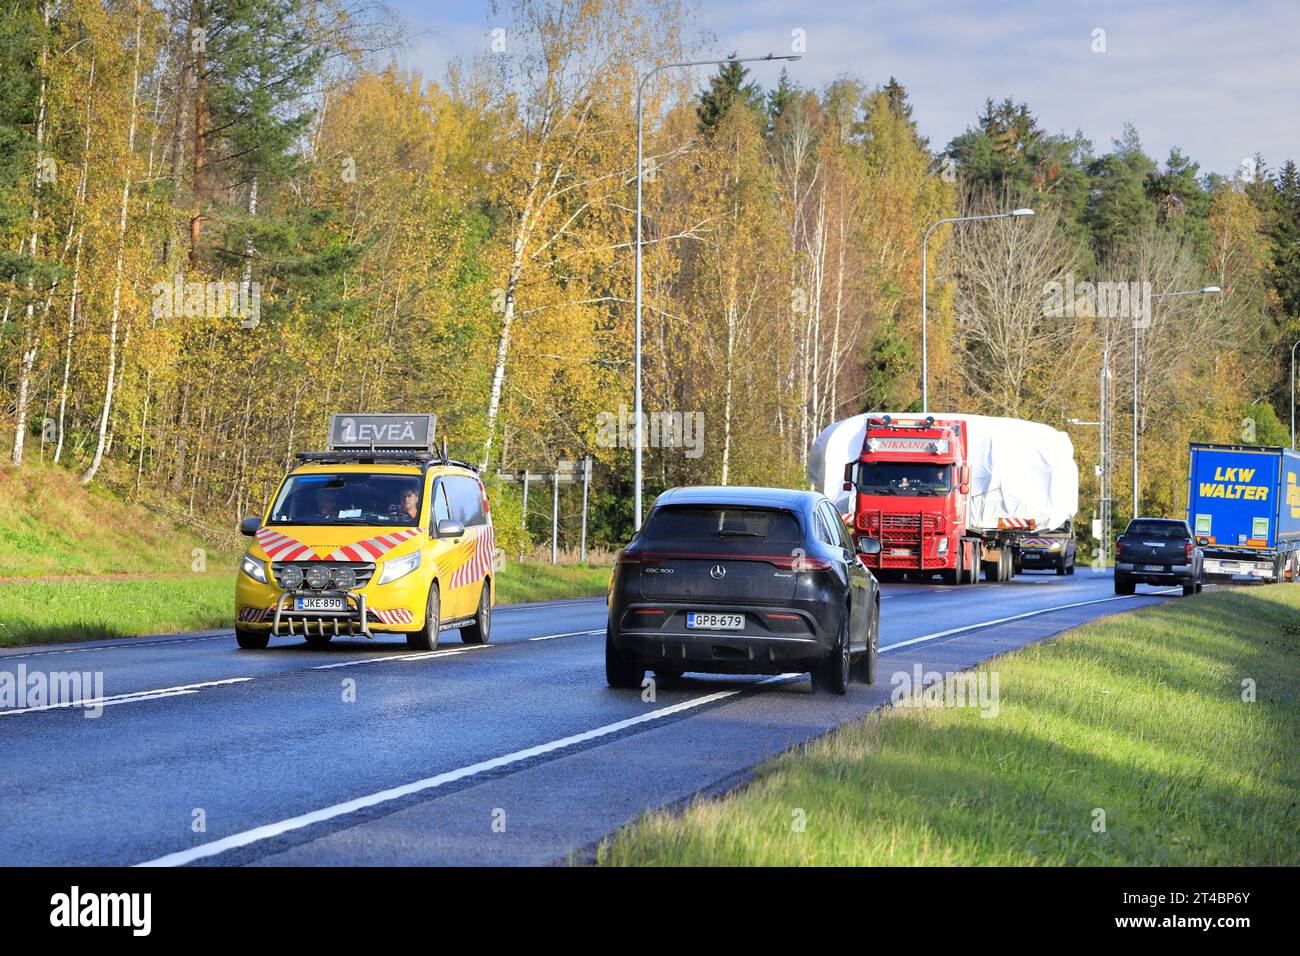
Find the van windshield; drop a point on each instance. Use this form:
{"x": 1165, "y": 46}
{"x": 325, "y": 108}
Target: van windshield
{"x": 355, "y": 498}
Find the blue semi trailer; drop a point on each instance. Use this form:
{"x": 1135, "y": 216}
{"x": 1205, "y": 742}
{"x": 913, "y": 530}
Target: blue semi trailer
{"x": 1243, "y": 505}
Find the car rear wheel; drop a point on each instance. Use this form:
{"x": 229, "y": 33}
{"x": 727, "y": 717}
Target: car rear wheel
{"x": 1189, "y": 589}
{"x": 621, "y": 671}
{"x": 864, "y": 668}
{"x": 1123, "y": 587}
{"x": 479, "y": 631}
{"x": 832, "y": 673}
{"x": 426, "y": 638}
{"x": 252, "y": 640}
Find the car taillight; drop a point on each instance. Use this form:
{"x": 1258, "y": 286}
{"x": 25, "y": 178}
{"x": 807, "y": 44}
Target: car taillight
{"x": 635, "y": 558}
{"x": 1189, "y": 552}
{"x": 800, "y": 563}
{"x": 1119, "y": 546}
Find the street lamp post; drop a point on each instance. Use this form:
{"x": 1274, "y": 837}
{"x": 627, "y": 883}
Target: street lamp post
{"x": 1103, "y": 492}
{"x": 925, "y": 355}
{"x": 636, "y": 420}
{"x": 1207, "y": 290}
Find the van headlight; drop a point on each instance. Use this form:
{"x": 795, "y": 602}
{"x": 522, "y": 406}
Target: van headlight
{"x": 399, "y": 567}
{"x": 253, "y": 568}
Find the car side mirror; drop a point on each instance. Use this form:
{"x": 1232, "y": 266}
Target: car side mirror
{"x": 868, "y": 546}
{"x": 1202, "y": 541}
{"x": 450, "y": 528}
{"x": 249, "y": 526}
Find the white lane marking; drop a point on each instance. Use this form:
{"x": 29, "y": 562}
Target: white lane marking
{"x": 418, "y": 656}
{"x": 1017, "y": 617}
{"x": 270, "y": 830}
{"x": 551, "y": 637}
{"x": 539, "y": 607}
{"x": 131, "y": 697}
{"x": 115, "y": 647}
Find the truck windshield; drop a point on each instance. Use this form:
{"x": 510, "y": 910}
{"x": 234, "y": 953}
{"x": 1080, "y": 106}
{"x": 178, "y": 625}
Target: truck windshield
{"x": 349, "y": 499}
{"x": 903, "y": 478}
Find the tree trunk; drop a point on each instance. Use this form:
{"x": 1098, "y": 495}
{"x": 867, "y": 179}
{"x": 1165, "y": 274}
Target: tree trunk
{"x": 90, "y": 472}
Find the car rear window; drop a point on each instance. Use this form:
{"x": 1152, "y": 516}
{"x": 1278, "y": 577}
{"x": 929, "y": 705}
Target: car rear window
{"x": 1159, "y": 529}
{"x": 722, "y": 528}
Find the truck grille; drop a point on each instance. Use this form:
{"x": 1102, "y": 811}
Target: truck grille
{"x": 364, "y": 570}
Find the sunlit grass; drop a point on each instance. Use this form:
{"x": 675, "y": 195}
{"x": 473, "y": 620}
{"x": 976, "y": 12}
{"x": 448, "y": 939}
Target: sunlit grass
{"x": 82, "y": 609}
{"x": 1140, "y": 716}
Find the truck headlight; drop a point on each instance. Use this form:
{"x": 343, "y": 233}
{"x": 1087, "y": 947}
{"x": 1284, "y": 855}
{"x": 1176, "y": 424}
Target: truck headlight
{"x": 253, "y": 568}
{"x": 399, "y": 567}
{"x": 943, "y": 545}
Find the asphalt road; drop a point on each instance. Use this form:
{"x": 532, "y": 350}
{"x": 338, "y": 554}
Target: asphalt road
{"x": 365, "y": 753}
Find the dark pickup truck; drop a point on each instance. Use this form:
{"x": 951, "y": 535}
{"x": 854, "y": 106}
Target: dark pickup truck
{"x": 1157, "y": 551}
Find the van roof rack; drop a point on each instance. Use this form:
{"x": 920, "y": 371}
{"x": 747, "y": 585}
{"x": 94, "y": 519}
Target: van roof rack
{"x": 387, "y": 456}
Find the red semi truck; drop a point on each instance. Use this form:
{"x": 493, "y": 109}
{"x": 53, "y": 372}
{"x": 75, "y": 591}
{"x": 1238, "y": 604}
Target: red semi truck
{"x": 950, "y": 495}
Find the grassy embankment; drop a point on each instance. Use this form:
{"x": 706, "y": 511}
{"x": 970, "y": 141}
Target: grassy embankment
{"x": 1139, "y": 715}
{"x": 80, "y": 564}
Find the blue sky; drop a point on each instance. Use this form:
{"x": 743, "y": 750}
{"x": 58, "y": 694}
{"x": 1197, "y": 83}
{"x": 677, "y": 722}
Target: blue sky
{"x": 1220, "y": 80}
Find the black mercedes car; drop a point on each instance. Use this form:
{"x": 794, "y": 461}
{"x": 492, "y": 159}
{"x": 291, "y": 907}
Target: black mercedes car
{"x": 743, "y": 581}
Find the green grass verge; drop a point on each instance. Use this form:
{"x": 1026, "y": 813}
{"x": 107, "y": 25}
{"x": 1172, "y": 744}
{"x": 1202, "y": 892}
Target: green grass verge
{"x": 544, "y": 582}
{"x": 1140, "y": 715}
{"x": 51, "y": 525}
{"x": 40, "y": 612}
{"x": 36, "y": 612}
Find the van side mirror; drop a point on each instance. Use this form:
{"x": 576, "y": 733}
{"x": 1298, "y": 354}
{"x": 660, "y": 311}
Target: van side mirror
{"x": 868, "y": 546}
{"x": 249, "y": 526}
{"x": 450, "y": 528}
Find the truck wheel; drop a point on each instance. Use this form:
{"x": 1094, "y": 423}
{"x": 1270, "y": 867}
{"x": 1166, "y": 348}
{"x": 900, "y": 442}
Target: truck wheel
{"x": 1008, "y": 565}
{"x": 620, "y": 671}
{"x": 992, "y": 570}
{"x": 479, "y": 631}
{"x": 955, "y": 574}
{"x": 252, "y": 640}
{"x": 973, "y": 571}
{"x": 426, "y": 638}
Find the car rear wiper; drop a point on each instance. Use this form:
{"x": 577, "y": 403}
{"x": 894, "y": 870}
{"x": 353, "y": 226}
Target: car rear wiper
{"x": 740, "y": 534}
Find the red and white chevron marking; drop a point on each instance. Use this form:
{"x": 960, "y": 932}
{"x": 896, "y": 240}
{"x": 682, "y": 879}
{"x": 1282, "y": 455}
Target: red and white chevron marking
{"x": 255, "y": 615}
{"x": 398, "y": 615}
{"x": 480, "y": 560}
{"x": 372, "y": 549}
{"x": 281, "y": 547}
{"x": 1016, "y": 523}
{"x": 1036, "y": 543}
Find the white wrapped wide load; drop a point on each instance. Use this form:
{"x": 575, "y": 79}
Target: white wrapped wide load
{"x": 1018, "y": 469}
